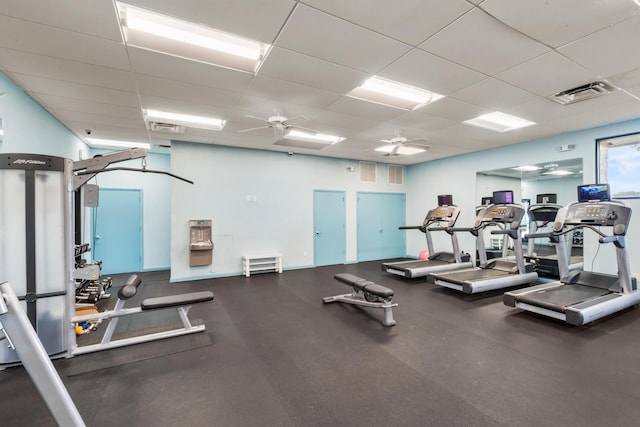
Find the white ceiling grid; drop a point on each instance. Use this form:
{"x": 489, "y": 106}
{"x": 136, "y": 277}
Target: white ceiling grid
{"x": 484, "y": 56}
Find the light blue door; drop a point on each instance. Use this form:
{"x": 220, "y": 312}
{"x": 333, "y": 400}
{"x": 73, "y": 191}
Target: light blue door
{"x": 330, "y": 238}
{"x": 117, "y": 227}
{"x": 379, "y": 216}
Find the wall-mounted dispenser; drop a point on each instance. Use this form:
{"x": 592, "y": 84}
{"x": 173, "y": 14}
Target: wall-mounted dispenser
{"x": 200, "y": 242}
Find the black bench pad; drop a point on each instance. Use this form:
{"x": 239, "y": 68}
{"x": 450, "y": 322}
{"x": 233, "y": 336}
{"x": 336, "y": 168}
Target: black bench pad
{"x": 379, "y": 290}
{"x": 176, "y": 300}
{"x": 364, "y": 285}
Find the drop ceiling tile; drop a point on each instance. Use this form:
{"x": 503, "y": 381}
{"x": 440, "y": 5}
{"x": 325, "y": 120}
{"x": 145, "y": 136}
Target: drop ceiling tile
{"x": 101, "y": 131}
{"x": 69, "y": 71}
{"x": 78, "y": 91}
{"x": 494, "y": 94}
{"x": 454, "y": 109}
{"x": 368, "y": 110}
{"x": 410, "y": 21}
{"x": 44, "y": 40}
{"x": 291, "y": 93}
{"x": 317, "y": 34}
{"x": 185, "y": 92}
{"x": 256, "y": 19}
{"x": 56, "y": 103}
{"x": 628, "y": 79}
{"x": 99, "y": 119}
{"x": 541, "y": 110}
{"x": 301, "y": 69}
{"x": 610, "y": 51}
{"x": 266, "y": 107}
{"x": 337, "y": 121}
{"x": 558, "y": 23}
{"x": 182, "y": 70}
{"x": 484, "y": 44}
{"x": 96, "y": 18}
{"x": 427, "y": 71}
{"x": 419, "y": 120}
{"x": 534, "y": 75}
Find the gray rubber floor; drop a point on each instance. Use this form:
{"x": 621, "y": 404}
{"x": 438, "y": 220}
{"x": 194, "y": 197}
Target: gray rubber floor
{"x": 281, "y": 358}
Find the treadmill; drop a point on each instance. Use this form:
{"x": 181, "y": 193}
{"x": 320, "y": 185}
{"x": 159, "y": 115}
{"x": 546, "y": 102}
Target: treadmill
{"x": 441, "y": 218}
{"x": 498, "y": 272}
{"x": 581, "y": 297}
{"x": 540, "y": 215}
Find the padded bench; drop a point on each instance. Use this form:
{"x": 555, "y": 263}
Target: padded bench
{"x": 367, "y": 294}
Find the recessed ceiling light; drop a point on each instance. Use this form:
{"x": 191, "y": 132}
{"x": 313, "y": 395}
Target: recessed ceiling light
{"x": 110, "y": 143}
{"x": 527, "y": 168}
{"x": 499, "y": 122}
{"x": 402, "y": 150}
{"x": 559, "y": 172}
{"x": 187, "y": 120}
{"x": 161, "y": 33}
{"x": 312, "y": 137}
{"x": 393, "y": 94}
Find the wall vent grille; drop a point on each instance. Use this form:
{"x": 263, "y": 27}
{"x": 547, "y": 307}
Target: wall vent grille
{"x": 395, "y": 174}
{"x": 367, "y": 172}
{"x": 165, "y": 127}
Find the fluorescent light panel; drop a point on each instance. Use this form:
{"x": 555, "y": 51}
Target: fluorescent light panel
{"x": 499, "y": 122}
{"x": 558, "y": 172}
{"x": 149, "y": 30}
{"x": 110, "y": 143}
{"x": 393, "y": 94}
{"x": 200, "y": 122}
{"x": 313, "y": 137}
{"x": 402, "y": 150}
{"x": 527, "y": 168}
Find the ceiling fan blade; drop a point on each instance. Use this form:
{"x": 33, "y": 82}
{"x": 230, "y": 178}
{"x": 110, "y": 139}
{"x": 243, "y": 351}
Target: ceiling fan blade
{"x": 257, "y": 118}
{"x": 298, "y": 119}
{"x": 252, "y": 129}
{"x": 420, "y": 146}
{"x": 416, "y": 139}
{"x": 386, "y": 140}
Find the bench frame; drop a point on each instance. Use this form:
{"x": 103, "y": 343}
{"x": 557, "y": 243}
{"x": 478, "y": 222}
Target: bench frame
{"x": 361, "y": 297}
{"x": 159, "y": 303}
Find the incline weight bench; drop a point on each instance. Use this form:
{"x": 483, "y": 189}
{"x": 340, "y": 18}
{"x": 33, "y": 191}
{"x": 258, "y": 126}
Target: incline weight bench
{"x": 367, "y": 294}
{"x": 181, "y": 302}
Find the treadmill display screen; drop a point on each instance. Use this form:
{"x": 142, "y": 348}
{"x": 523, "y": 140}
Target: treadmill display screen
{"x": 502, "y": 197}
{"x": 547, "y": 198}
{"x": 445, "y": 200}
{"x": 593, "y": 192}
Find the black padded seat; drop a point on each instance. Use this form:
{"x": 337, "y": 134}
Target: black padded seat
{"x": 349, "y": 279}
{"x": 378, "y": 290}
{"x": 176, "y": 300}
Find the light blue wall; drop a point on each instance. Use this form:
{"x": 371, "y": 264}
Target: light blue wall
{"x": 457, "y": 175}
{"x": 259, "y": 201}
{"x": 29, "y": 128}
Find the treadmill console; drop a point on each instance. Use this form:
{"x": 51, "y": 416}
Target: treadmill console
{"x": 445, "y": 216}
{"x": 606, "y": 214}
{"x": 501, "y": 213}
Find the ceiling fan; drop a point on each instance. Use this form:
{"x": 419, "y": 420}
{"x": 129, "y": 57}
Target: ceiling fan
{"x": 278, "y": 122}
{"x": 400, "y": 145}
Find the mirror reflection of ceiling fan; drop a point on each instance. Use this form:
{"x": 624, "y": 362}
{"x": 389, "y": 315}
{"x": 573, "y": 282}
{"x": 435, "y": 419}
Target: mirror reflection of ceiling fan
{"x": 400, "y": 145}
{"x": 279, "y": 123}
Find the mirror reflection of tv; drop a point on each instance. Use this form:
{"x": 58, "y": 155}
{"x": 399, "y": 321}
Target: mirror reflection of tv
{"x": 547, "y": 198}
{"x": 487, "y": 201}
{"x": 591, "y": 192}
{"x": 502, "y": 197}
{"x": 445, "y": 200}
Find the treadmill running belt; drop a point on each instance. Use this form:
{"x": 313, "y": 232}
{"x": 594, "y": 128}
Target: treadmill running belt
{"x": 557, "y": 299}
{"x": 470, "y": 276}
{"x": 408, "y": 265}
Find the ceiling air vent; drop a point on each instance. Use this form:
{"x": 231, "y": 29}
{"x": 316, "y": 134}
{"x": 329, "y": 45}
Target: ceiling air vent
{"x": 165, "y": 127}
{"x": 582, "y": 93}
